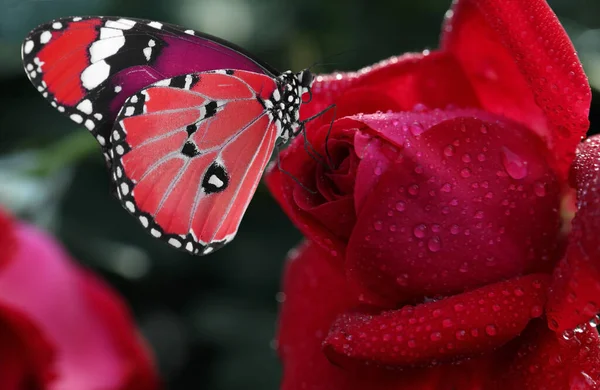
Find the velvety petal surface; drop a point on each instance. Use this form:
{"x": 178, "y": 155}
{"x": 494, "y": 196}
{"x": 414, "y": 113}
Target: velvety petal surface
{"x": 448, "y": 329}
{"x": 547, "y": 361}
{"x": 575, "y": 295}
{"x": 433, "y": 80}
{"x": 522, "y": 64}
{"x": 316, "y": 292}
{"x": 477, "y": 182}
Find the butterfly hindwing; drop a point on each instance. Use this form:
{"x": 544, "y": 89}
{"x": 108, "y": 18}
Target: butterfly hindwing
{"x": 188, "y": 153}
{"x": 87, "y": 66}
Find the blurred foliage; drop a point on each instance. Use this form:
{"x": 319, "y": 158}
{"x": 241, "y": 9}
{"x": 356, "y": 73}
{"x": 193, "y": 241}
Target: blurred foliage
{"x": 209, "y": 320}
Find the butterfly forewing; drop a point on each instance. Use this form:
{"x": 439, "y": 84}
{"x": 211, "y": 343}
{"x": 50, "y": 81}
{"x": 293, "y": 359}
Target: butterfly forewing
{"x": 87, "y": 67}
{"x": 189, "y": 152}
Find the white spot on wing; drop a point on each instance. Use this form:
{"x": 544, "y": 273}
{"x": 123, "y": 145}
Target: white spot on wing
{"x": 163, "y": 83}
{"x": 76, "y": 118}
{"x": 130, "y": 206}
{"x": 144, "y": 221}
{"x": 101, "y": 140}
{"x": 115, "y": 135}
{"x": 76, "y": 19}
{"x": 129, "y": 111}
{"x": 104, "y": 48}
{"x": 120, "y": 149}
{"x": 155, "y": 233}
{"x": 28, "y": 47}
{"x": 85, "y": 106}
{"x": 134, "y": 99}
{"x": 215, "y": 181}
{"x": 45, "y": 37}
{"x": 147, "y": 53}
{"x": 155, "y": 25}
{"x": 57, "y": 25}
{"x": 118, "y": 88}
{"x": 95, "y": 74}
{"x": 175, "y": 242}
{"x": 90, "y": 126}
{"x": 123, "y": 24}
{"x": 124, "y": 188}
{"x": 189, "y": 246}
{"x": 191, "y": 32}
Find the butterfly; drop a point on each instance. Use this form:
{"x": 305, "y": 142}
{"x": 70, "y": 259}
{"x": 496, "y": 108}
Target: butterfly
{"x": 187, "y": 122}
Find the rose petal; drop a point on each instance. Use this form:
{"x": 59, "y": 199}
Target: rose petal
{"x": 25, "y": 355}
{"x": 463, "y": 183}
{"x": 546, "y": 360}
{"x": 399, "y": 84}
{"x": 7, "y": 238}
{"x": 113, "y": 314}
{"x": 451, "y": 328}
{"x": 303, "y": 207}
{"x": 523, "y": 65}
{"x": 315, "y": 293}
{"x": 42, "y": 284}
{"x": 575, "y": 295}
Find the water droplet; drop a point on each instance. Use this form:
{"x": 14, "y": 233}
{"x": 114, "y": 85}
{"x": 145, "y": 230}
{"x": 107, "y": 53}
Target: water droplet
{"x": 436, "y": 228}
{"x": 491, "y": 330}
{"x": 412, "y": 343}
{"x": 514, "y": 165}
{"x": 377, "y": 225}
{"x": 464, "y": 268}
{"x": 483, "y": 129}
{"x": 434, "y": 244}
{"x": 419, "y": 169}
{"x": 466, "y": 158}
{"x": 489, "y": 195}
{"x": 400, "y": 206}
{"x": 481, "y": 157}
{"x": 280, "y": 297}
{"x": 386, "y": 337}
{"x": 392, "y": 228}
{"x": 435, "y": 336}
{"x": 402, "y": 280}
{"x": 449, "y": 151}
{"x": 475, "y": 332}
{"x": 460, "y": 334}
{"x": 454, "y": 229}
{"x": 536, "y": 311}
{"x": 568, "y": 334}
{"x": 436, "y": 313}
{"x": 459, "y": 307}
{"x": 465, "y": 172}
{"x": 447, "y": 323}
{"x": 479, "y": 214}
{"x": 519, "y": 292}
{"x": 413, "y": 190}
{"x": 539, "y": 189}
{"x": 419, "y": 230}
{"x": 496, "y": 308}
{"x": 446, "y": 187}
{"x": 416, "y": 129}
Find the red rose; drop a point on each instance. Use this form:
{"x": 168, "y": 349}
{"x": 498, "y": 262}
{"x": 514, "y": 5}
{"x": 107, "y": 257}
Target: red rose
{"x": 60, "y": 326}
{"x": 434, "y": 216}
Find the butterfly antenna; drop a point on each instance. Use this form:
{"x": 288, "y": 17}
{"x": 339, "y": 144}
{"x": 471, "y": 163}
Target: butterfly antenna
{"x": 294, "y": 178}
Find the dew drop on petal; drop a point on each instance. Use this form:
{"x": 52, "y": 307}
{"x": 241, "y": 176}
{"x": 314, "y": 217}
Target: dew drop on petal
{"x": 419, "y": 231}
{"x": 539, "y": 189}
{"x": 449, "y": 151}
{"x": 413, "y": 190}
{"x": 434, "y": 244}
{"x": 435, "y": 336}
{"x": 514, "y": 165}
{"x": 465, "y": 172}
{"x": 446, "y": 187}
{"x": 377, "y": 225}
{"x": 400, "y": 206}
{"x": 491, "y": 330}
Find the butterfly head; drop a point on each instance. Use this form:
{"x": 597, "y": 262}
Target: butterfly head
{"x": 305, "y": 79}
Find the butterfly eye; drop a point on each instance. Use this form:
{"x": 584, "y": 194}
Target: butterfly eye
{"x": 306, "y": 78}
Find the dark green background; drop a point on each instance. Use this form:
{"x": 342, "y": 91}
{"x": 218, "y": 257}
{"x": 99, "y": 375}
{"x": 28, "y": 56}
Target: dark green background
{"x": 209, "y": 320}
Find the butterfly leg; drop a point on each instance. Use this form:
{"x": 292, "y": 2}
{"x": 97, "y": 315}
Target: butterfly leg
{"x": 302, "y": 127}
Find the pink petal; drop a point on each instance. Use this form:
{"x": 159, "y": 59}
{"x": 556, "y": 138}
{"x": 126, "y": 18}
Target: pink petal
{"x": 41, "y": 283}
